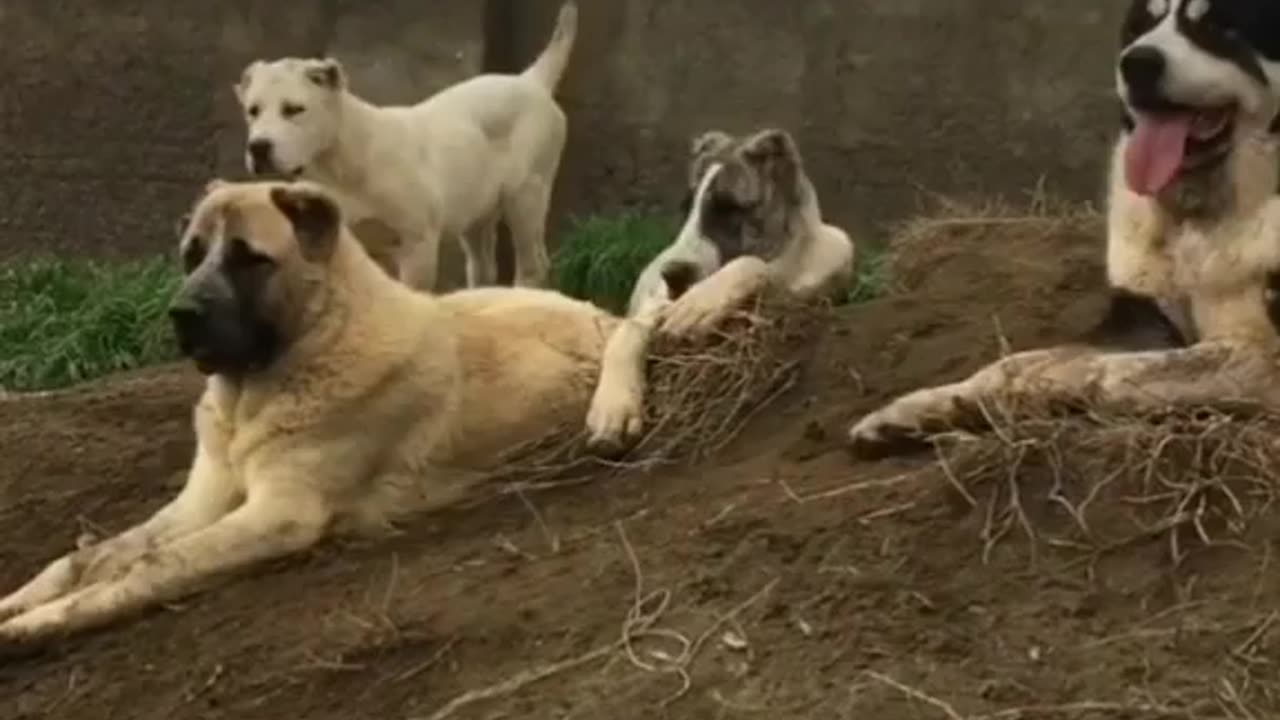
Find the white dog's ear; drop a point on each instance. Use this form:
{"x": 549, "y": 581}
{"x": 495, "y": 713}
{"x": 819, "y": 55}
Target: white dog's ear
{"x": 326, "y": 73}
{"x": 315, "y": 217}
{"x": 246, "y": 76}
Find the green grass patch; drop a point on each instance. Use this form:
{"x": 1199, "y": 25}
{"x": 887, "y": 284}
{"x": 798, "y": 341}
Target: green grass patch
{"x": 872, "y": 279}
{"x": 67, "y": 321}
{"x": 601, "y": 256}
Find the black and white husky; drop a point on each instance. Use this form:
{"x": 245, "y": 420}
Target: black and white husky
{"x": 1193, "y": 246}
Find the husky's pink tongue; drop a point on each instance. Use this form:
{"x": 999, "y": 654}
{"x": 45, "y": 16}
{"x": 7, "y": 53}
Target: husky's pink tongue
{"x": 1155, "y": 150}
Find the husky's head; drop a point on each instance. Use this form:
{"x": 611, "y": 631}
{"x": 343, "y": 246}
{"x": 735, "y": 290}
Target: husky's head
{"x": 1197, "y": 78}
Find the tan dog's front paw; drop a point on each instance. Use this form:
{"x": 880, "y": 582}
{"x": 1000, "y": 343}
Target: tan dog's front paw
{"x": 615, "y": 420}
{"x": 28, "y": 633}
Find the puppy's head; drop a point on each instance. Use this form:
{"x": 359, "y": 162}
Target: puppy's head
{"x": 292, "y": 110}
{"x": 745, "y": 190}
{"x": 256, "y": 263}
{"x": 1196, "y": 77}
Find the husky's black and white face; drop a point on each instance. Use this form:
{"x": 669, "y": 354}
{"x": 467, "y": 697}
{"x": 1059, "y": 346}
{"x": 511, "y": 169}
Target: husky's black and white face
{"x": 1196, "y": 76}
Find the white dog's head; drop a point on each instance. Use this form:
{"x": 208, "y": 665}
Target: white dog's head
{"x": 1196, "y": 77}
{"x": 293, "y": 111}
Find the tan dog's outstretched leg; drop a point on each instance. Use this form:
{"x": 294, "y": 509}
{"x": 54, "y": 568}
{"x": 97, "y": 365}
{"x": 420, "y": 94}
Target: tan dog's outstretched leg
{"x": 206, "y": 497}
{"x": 276, "y": 521}
{"x": 1212, "y": 372}
{"x": 616, "y": 415}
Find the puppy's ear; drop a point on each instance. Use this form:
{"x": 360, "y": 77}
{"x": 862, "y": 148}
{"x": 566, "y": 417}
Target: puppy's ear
{"x": 709, "y": 142}
{"x": 774, "y": 153}
{"x": 702, "y": 148}
{"x": 326, "y": 73}
{"x": 772, "y": 144}
{"x": 246, "y": 76}
{"x": 315, "y": 217}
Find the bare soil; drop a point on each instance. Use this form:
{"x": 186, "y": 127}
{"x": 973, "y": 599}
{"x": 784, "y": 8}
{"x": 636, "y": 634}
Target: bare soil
{"x": 782, "y": 580}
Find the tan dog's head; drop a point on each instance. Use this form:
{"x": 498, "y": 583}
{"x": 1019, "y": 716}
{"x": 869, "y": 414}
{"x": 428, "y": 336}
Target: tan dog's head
{"x": 256, "y": 258}
{"x": 293, "y": 112}
{"x": 746, "y": 190}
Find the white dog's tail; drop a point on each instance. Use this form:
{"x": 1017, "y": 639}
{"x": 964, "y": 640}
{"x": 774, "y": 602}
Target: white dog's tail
{"x": 550, "y": 65}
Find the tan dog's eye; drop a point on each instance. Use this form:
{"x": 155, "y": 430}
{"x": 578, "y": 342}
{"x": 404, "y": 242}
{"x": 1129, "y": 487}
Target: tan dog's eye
{"x": 241, "y": 255}
{"x": 290, "y": 110}
{"x": 254, "y": 110}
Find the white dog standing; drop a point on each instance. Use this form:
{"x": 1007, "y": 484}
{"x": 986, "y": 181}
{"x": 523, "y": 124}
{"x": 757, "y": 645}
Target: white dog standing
{"x": 483, "y": 150}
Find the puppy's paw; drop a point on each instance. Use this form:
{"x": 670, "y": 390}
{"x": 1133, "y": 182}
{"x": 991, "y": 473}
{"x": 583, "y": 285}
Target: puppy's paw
{"x": 696, "y": 313}
{"x": 614, "y": 421}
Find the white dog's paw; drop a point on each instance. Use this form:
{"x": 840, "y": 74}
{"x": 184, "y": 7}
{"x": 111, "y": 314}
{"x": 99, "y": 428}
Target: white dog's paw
{"x": 614, "y": 421}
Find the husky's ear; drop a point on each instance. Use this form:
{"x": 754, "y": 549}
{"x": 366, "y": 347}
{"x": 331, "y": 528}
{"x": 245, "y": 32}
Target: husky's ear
{"x": 315, "y": 217}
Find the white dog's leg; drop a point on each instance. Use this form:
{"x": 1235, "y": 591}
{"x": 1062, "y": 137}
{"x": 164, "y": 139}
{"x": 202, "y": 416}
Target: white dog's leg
{"x": 269, "y": 524}
{"x": 480, "y": 245}
{"x": 616, "y": 415}
{"x": 710, "y": 300}
{"x": 1206, "y": 374}
{"x": 525, "y": 211}
{"x": 207, "y": 496}
{"x": 419, "y": 258}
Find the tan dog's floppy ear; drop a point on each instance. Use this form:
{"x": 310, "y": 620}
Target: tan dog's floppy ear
{"x": 326, "y": 73}
{"x": 314, "y": 215}
{"x": 215, "y": 184}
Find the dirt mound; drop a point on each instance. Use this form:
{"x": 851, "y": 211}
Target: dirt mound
{"x": 781, "y": 580}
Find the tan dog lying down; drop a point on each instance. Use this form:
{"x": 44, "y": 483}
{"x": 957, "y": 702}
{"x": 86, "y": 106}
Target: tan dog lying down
{"x": 753, "y": 221}
{"x": 337, "y": 398}
{"x": 1193, "y": 244}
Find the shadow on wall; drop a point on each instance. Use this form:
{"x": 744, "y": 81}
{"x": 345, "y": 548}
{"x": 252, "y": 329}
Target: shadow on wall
{"x": 113, "y": 117}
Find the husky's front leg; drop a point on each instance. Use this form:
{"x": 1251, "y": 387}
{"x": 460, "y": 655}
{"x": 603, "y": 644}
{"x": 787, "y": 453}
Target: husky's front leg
{"x": 208, "y": 495}
{"x": 1209, "y": 374}
{"x": 271, "y": 523}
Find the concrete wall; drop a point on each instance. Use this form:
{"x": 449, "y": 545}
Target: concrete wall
{"x": 111, "y": 118}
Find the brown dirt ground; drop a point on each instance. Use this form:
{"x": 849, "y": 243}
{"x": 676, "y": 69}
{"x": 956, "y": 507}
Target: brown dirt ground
{"x": 783, "y": 580}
